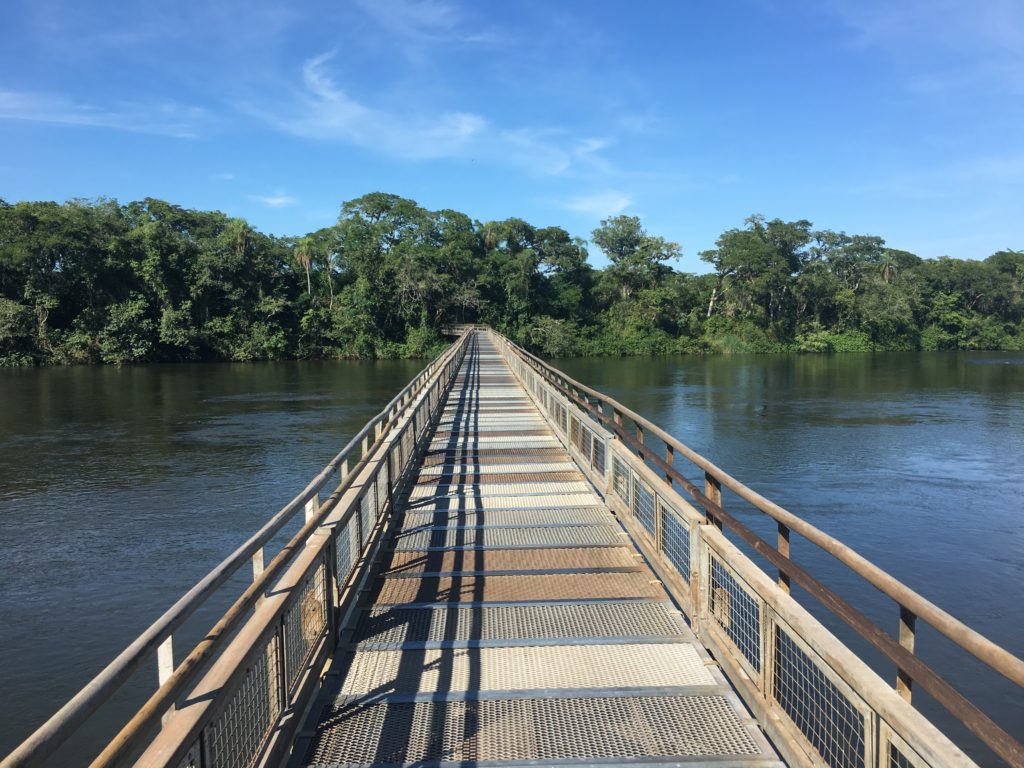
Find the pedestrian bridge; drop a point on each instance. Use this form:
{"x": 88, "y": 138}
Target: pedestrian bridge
{"x": 506, "y": 567}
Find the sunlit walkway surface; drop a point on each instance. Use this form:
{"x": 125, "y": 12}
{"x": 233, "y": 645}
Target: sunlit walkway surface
{"x": 514, "y": 620}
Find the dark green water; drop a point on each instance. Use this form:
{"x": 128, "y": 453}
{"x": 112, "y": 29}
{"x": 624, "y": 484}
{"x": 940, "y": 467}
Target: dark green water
{"x": 120, "y": 488}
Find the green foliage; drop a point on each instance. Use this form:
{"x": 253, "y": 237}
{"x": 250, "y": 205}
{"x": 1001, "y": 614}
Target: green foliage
{"x": 818, "y": 339}
{"x": 128, "y": 335}
{"x": 99, "y": 282}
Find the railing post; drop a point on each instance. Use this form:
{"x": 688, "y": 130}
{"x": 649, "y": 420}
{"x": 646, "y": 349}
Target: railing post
{"x": 782, "y": 545}
{"x": 164, "y": 669}
{"x": 713, "y": 490}
{"x": 908, "y": 631}
{"x": 312, "y": 506}
{"x": 640, "y": 440}
{"x": 670, "y": 456}
{"x": 257, "y": 563}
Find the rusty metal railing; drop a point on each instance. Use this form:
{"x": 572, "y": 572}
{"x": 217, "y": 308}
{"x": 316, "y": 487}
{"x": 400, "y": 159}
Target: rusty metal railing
{"x": 819, "y": 702}
{"x": 259, "y": 664}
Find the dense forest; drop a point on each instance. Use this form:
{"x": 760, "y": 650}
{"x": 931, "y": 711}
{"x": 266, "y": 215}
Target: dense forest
{"x": 96, "y": 281}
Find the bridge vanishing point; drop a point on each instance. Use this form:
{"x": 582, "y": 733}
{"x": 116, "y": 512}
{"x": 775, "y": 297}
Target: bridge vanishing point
{"x": 506, "y": 567}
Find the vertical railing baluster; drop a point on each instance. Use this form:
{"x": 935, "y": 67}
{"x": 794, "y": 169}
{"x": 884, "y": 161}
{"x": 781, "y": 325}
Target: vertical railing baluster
{"x": 713, "y": 490}
{"x": 782, "y": 545}
{"x": 908, "y": 633}
{"x": 670, "y": 455}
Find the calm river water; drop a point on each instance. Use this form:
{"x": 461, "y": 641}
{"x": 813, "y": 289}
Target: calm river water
{"x": 119, "y": 488}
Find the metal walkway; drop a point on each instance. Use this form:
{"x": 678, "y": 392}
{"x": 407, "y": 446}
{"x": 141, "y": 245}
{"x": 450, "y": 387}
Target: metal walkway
{"x": 514, "y": 622}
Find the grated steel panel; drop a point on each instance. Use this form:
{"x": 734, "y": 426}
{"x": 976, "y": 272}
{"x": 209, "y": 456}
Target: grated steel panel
{"x": 470, "y": 501}
{"x": 469, "y": 477}
{"x": 474, "y": 442}
{"x": 444, "y": 538}
{"x": 508, "y": 517}
{"x": 509, "y": 560}
{"x": 562, "y": 586}
{"x": 496, "y": 431}
{"x": 495, "y": 468}
{"x": 539, "y": 730}
{"x": 635, "y": 665}
{"x": 493, "y": 456}
{"x": 395, "y": 625}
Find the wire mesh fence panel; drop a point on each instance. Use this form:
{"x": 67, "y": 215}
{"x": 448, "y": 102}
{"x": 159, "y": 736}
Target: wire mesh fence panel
{"x": 381, "y": 489}
{"x": 582, "y": 441}
{"x": 367, "y": 513}
{"x": 598, "y": 462}
{"x": 304, "y": 621}
{"x": 736, "y": 611}
{"x": 824, "y": 714}
{"x": 894, "y": 752}
{"x": 621, "y": 480}
{"x": 643, "y": 505}
{"x": 675, "y": 541}
{"x": 346, "y": 551}
{"x": 236, "y": 736}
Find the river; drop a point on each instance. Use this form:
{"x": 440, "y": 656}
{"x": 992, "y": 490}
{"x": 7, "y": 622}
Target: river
{"x": 119, "y": 488}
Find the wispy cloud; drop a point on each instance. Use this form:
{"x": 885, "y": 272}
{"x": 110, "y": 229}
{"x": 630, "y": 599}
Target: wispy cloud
{"x": 166, "y": 118}
{"x": 275, "y": 201}
{"x": 224, "y": 176}
{"x": 958, "y": 45}
{"x": 423, "y": 20}
{"x": 325, "y": 111}
{"x": 600, "y": 205}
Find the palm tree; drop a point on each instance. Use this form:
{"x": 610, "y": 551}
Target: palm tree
{"x": 888, "y": 266}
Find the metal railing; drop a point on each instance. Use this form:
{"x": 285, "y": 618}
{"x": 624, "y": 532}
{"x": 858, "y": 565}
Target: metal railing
{"x": 819, "y": 702}
{"x": 260, "y": 663}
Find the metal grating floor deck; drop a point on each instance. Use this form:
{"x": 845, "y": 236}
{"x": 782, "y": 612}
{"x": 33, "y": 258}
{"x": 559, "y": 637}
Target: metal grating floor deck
{"x": 487, "y": 588}
{"x": 548, "y": 731}
{"x": 550, "y": 559}
{"x": 393, "y": 626}
{"x": 513, "y": 622}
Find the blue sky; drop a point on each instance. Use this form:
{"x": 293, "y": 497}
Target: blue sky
{"x": 902, "y": 119}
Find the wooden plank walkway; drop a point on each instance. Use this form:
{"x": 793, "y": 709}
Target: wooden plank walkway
{"x": 515, "y": 623}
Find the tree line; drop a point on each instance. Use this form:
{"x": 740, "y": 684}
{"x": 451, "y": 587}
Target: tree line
{"x": 100, "y": 282}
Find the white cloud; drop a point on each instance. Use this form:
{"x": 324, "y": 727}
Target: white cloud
{"x": 275, "y": 201}
{"x": 980, "y": 43}
{"x": 600, "y": 205}
{"x": 323, "y": 110}
{"x": 225, "y": 176}
{"x": 414, "y": 18}
{"x": 164, "y": 118}
{"x": 424, "y": 21}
